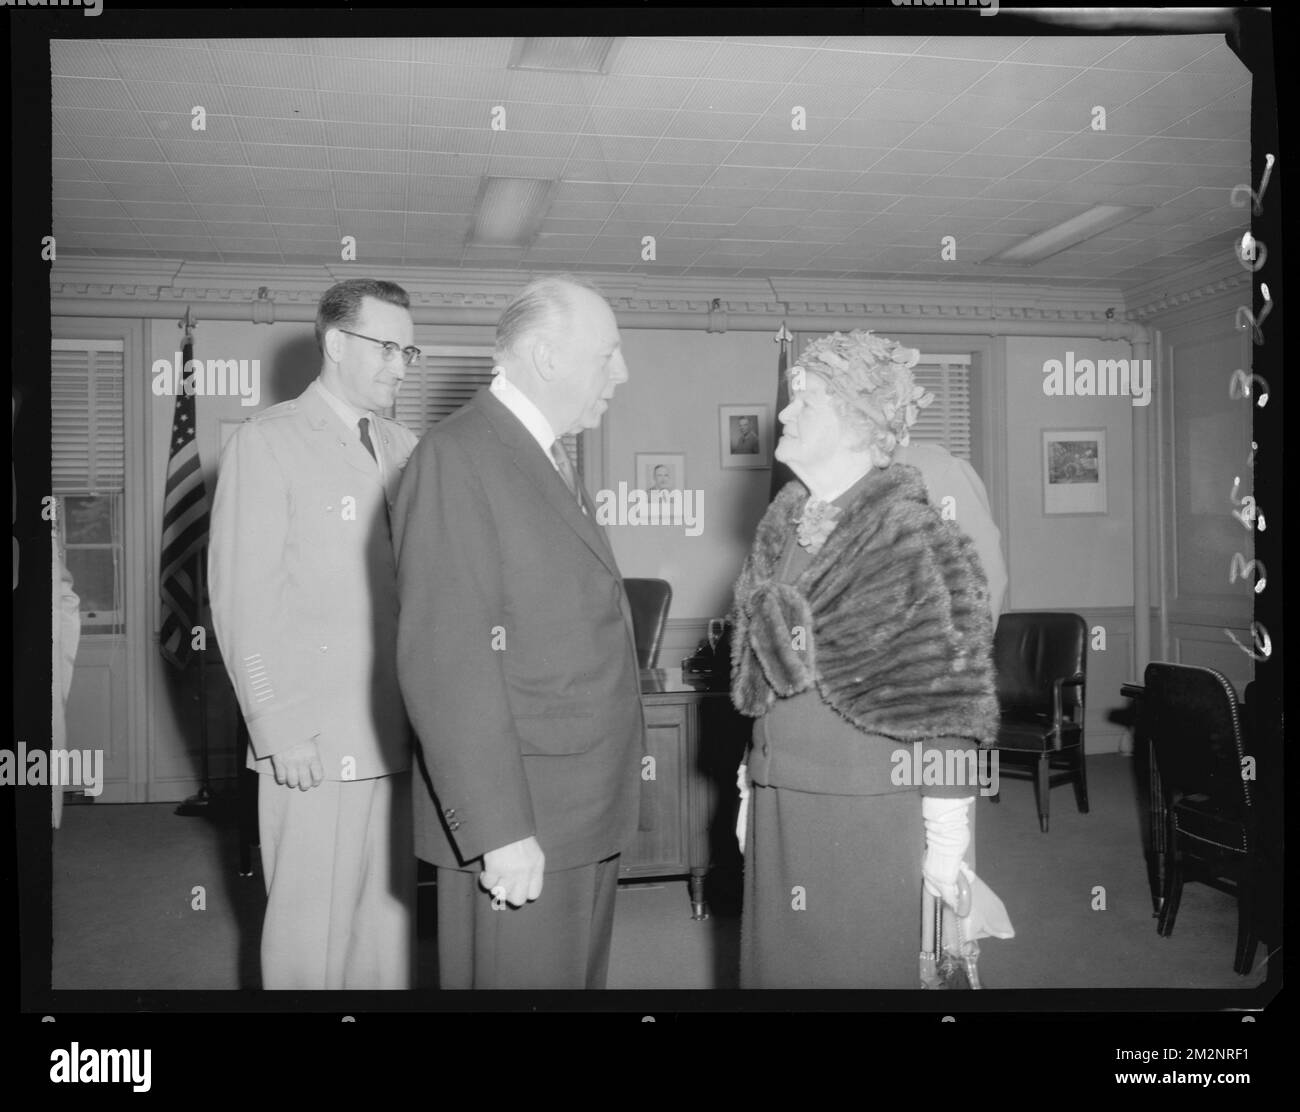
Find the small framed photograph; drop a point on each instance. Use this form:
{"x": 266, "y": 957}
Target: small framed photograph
{"x": 745, "y": 436}
{"x": 658, "y": 475}
{"x": 1074, "y": 471}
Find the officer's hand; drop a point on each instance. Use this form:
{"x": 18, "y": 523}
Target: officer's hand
{"x": 299, "y": 767}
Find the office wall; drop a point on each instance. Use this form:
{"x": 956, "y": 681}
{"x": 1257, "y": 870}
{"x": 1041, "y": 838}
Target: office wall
{"x": 1065, "y": 561}
{"x": 678, "y": 380}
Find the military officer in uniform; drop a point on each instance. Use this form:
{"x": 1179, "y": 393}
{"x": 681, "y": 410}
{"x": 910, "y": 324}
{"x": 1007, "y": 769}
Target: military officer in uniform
{"x": 303, "y": 585}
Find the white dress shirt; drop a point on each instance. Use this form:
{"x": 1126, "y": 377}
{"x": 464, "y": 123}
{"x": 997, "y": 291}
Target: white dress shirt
{"x": 521, "y": 405}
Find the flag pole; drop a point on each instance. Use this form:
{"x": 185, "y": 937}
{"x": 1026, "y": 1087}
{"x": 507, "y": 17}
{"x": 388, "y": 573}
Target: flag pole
{"x": 202, "y": 801}
{"x": 781, "y": 474}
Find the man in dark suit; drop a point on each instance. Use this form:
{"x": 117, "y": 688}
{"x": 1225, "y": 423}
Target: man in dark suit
{"x": 304, "y": 601}
{"x": 517, "y": 661}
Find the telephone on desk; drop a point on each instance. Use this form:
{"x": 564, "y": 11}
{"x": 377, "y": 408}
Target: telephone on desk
{"x": 713, "y": 656}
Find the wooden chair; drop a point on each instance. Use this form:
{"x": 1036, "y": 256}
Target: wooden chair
{"x": 649, "y": 599}
{"x": 1041, "y": 658}
{"x": 1195, "y": 724}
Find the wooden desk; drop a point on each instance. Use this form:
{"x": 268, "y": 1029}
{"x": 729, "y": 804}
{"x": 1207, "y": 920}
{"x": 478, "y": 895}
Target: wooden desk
{"x": 696, "y": 741}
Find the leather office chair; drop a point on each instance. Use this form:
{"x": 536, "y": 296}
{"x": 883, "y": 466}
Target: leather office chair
{"x": 1041, "y": 658}
{"x": 1195, "y": 724}
{"x": 649, "y": 599}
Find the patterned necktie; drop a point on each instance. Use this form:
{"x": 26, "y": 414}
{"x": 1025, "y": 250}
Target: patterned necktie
{"x": 364, "y": 426}
{"x": 565, "y": 468}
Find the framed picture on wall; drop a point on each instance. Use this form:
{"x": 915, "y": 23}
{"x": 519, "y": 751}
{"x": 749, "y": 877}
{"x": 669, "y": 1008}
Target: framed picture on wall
{"x": 745, "y": 436}
{"x": 1074, "y": 471}
{"x": 658, "y": 474}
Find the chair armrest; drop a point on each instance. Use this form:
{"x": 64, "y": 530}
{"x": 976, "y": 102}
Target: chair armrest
{"x": 1076, "y": 680}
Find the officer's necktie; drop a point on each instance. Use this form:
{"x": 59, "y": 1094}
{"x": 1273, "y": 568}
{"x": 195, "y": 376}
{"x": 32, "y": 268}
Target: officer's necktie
{"x": 364, "y": 426}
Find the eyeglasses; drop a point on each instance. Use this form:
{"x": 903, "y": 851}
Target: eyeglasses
{"x": 391, "y": 347}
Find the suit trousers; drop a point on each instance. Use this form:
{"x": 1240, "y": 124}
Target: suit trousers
{"x": 340, "y": 884}
{"x": 559, "y": 940}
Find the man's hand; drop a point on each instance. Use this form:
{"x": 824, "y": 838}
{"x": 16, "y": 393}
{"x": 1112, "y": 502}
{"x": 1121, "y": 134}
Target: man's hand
{"x": 516, "y": 870}
{"x": 299, "y": 767}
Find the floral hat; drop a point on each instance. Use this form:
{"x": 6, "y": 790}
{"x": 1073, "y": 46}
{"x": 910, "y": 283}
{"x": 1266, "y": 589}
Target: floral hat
{"x": 871, "y": 376}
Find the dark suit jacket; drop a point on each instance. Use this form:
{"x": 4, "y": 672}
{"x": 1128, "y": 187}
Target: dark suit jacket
{"x": 515, "y": 650}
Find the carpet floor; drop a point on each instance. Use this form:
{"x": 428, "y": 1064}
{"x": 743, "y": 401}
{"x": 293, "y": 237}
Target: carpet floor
{"x": 126, "y": 911}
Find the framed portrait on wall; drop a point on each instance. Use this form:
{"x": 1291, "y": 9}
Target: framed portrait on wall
{"x": 745, "y": 436}
{"x": 658, "y": 474}
{"x": 660, "y": 471}
{"x": 1074, "y": 471}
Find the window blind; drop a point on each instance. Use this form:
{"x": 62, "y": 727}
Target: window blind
{"x": 444, "y": 380}
{"x": 87, "y": 416}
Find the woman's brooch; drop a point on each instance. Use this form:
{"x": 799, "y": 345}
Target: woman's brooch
{"x": 816, "y": 523}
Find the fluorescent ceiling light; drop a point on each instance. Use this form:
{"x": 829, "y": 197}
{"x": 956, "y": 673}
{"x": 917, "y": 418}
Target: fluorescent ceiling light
{"x": 568, "y": 55}
{"x": 510, "y": 210}
{"x": 1074, "y": 231}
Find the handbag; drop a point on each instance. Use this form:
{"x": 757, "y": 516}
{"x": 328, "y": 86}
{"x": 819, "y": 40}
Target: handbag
{"x": 942, "y": 968}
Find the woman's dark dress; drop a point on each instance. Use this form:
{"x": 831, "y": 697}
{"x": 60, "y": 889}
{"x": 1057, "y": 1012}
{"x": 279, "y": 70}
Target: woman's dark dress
{"x": 833, "y": 847}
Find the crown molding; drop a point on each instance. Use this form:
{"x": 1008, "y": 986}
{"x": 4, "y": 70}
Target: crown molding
{"x": 179, "y": 282}
{"x": 1203, "y": 282}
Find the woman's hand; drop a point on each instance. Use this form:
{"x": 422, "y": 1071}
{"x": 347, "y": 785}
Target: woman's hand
{"x": 742, "y": 818}
{"x": 947, "y": 836}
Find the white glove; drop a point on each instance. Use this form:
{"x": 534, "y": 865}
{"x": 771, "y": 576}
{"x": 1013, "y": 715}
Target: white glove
{"x": 947, "y": 836}
{"x": 743, "y": 783}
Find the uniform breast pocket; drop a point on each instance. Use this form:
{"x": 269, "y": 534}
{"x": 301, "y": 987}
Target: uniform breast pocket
{"x": 556, "y": 735}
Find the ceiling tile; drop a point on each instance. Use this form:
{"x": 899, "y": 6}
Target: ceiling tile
{"x": 646, "y": 58}
{"x": 936, "y": 75}
{"x": 641, "y": 92}
{"x": 984, "y": 111}
{"x": 959, "y": 138}
{"x": 81, "y": 58}
{"x": 1159, "y": 53}
{"x": 284, "y": 104}
{"x": 86, "y": 92}
{"x": 1014, "y": 141}
{"x": 750, "y": 97}
{"x": 1010, "y": 80}
{"x": 824, "y": 180}
{"x": 482, "y": 53}
{"x": 710, "y": 125}
{"x": 1065, "y": 50}
{"x": 852, "y": 68}
{"x": 685, "y": 174}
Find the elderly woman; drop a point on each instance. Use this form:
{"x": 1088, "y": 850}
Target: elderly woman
{"x": 861, "y": 628}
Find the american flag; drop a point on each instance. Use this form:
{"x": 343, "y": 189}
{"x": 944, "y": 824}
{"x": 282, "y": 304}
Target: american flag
{"x": 781, "y": 474}
{"x": 184, "y": 531}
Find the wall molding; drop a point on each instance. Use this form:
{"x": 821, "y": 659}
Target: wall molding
{"x": 171, "y": 282}
{"x": 1189, "y": 289}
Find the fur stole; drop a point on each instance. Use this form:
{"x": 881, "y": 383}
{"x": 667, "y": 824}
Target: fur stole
{"x": 890, "y": 620}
